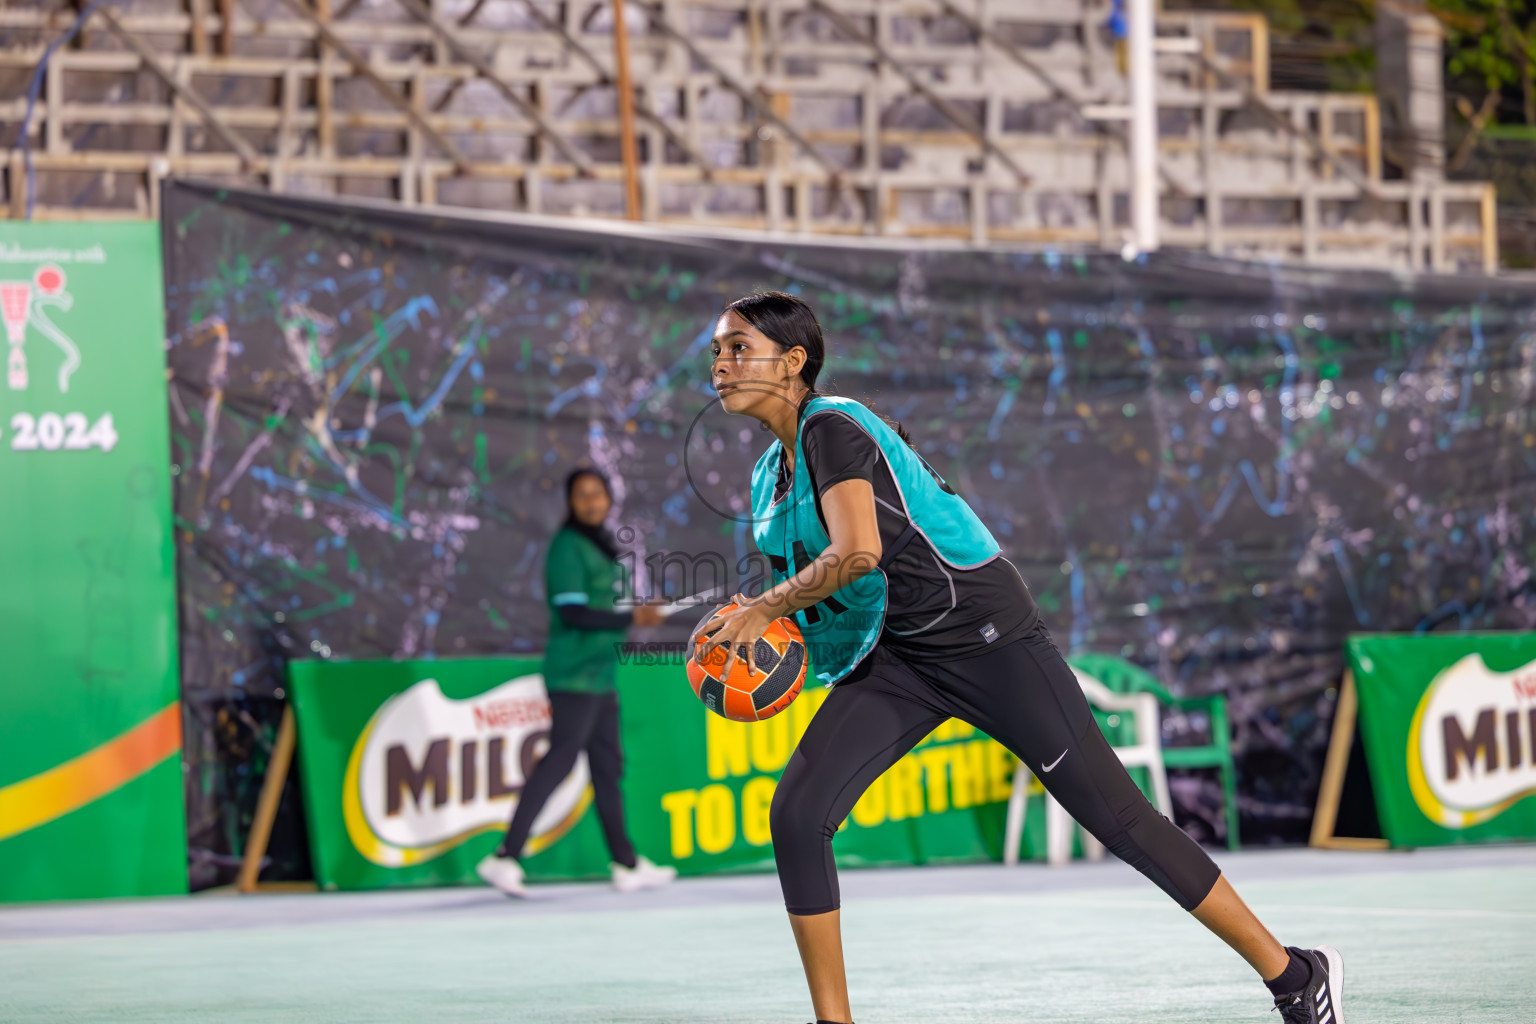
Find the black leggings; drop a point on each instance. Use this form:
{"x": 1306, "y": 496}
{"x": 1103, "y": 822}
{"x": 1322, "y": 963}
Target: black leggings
{"x": 581, "y": 721}
{"x": 1022, "y": 694}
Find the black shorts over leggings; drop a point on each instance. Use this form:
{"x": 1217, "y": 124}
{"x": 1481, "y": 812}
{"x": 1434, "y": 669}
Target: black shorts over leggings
{"x": 1022, "y": 694}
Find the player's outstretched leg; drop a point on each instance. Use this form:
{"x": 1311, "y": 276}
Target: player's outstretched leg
{"x": 1308, "y": 984}
{"x": 1027, "y": 697}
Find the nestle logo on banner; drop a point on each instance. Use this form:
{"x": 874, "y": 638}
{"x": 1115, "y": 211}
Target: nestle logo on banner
{"x": 429, "y": 772}
{"x": 1472, "y": 744}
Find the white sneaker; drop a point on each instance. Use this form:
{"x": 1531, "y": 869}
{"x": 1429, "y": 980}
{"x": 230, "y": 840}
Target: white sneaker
{"x": 504, "y": 873}
{"x": 644, "y": 875}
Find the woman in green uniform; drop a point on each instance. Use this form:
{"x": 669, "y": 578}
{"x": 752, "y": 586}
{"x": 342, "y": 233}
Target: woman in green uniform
{"x": 581, "y": 580}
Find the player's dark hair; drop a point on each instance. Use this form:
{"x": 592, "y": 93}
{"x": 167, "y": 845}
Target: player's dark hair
{"x": 599, "y": 534}
{"x": 789, "y": 322}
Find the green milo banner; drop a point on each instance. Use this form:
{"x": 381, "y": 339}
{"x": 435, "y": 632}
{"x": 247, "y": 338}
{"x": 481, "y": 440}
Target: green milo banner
{"x": 1449, "y": 726}
{"x": 90, "y": 727}
{"x": 412, "y": 769}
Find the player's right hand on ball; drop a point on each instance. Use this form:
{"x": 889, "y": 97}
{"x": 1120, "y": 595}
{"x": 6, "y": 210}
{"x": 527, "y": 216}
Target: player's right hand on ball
{"x": 737, "y": 631}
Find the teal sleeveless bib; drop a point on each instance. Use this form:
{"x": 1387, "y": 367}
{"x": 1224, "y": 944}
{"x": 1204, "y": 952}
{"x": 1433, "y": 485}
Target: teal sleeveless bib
{"x": 840, "y": 630}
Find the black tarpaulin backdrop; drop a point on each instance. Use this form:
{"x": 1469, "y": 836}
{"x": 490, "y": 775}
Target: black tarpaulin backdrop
{"x": 1214, "y": 469}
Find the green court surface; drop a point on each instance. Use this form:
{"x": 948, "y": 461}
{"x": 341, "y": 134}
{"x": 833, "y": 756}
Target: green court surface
{"x": 1429, "y": 936}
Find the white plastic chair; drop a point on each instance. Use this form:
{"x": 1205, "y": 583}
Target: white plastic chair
{"x": 1146, "y": 753}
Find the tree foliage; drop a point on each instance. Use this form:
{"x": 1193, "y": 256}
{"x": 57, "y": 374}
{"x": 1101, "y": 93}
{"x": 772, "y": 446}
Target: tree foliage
{"x": 1491, "y": 44}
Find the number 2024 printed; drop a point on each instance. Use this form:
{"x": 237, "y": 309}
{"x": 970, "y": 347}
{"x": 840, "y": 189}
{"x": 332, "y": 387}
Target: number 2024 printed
{"x": 70, "y": 432}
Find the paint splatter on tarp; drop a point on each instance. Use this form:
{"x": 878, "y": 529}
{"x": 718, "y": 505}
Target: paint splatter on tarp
{"x": 1214, "y": 469}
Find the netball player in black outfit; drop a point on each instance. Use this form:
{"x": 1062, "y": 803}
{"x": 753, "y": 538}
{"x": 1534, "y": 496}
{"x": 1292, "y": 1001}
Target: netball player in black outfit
{"x": 961, "y": 637}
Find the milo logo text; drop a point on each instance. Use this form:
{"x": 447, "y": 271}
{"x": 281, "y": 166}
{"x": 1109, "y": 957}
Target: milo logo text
{"x": 1472, "y": 744}
{"x": 429, "y": 772}
{"x": 440, "y": 774}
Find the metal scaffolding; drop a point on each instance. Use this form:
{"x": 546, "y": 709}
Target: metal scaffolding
{"x": 984, "y": 121}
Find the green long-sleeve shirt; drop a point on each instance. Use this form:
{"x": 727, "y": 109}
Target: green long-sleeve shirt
{"x": 577, "y": 572}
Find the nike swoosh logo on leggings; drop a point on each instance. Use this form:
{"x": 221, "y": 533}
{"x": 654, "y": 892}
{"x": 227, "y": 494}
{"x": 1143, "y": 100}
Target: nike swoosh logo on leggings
{"x": 1054, "y": 763}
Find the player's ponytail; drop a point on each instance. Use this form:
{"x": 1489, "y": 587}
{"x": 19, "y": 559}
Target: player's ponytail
{"x": 788, "y": 321}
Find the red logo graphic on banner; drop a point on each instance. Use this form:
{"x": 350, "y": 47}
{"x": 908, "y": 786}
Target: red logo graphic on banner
{"x": 21, "y": 306}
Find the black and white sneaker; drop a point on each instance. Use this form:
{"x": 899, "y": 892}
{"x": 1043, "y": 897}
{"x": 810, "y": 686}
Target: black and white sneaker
{"x": 1321, "y": 1001}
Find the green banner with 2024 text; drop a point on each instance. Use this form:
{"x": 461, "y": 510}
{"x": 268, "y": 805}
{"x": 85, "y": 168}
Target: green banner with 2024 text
{"x": 90, "y": 725}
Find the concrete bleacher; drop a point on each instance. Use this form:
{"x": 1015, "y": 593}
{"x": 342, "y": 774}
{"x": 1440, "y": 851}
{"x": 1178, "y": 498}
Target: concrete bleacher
{"x": 980, "y": 121}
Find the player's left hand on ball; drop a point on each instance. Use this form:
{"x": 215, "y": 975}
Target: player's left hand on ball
{"x": 740, "y": 627}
